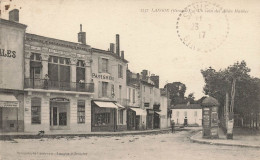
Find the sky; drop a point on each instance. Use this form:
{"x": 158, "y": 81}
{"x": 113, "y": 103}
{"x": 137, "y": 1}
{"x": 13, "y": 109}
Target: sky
{"x": 148, "y": 36}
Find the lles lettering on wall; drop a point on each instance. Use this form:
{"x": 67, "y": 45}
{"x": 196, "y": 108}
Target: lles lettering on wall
{"x": 7, "y": 53}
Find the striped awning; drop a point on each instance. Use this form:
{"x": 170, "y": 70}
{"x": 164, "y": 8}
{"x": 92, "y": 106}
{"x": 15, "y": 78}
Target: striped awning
{"x": 8, "y": 100}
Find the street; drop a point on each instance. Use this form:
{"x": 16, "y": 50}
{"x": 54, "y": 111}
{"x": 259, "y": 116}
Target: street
{"x": 133, "y": 147}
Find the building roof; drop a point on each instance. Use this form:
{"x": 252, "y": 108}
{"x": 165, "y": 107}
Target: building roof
{"x": 210, "y": 101}
{"x": 108, "y": 53}
{"x": 186, "y": 106}
{"x": 12, "y": 23}
{"x": 59, "y": 42}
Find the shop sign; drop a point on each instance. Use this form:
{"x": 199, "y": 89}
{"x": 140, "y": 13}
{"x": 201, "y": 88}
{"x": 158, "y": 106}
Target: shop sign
{"x": 7, "y": 53}
{"x": 102, "y": 76}
{"x": 9, "y": 104}
{"x": 59, "y": 100}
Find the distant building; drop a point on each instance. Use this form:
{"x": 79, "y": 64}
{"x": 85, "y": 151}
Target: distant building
{"x": 187, "y": 114}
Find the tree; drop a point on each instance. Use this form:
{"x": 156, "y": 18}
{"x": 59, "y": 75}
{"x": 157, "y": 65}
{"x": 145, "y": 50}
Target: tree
{"x": 176, "y": 92}
{"x": 236, "y": 81}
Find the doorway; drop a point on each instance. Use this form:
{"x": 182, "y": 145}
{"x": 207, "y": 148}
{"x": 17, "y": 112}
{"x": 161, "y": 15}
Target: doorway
{"x": 59, "y": 115}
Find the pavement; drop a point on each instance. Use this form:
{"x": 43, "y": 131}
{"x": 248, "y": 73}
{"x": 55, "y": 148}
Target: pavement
{"x": 240, "y": 138}
{"x": 166, "y": 146}
{"x": 59, "y": 133}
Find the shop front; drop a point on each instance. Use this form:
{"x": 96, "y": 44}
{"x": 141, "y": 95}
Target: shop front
{"x": 59, "y": 113}
{"x": 11, "y": 119}
{"x": 150, "y": 119}
{"x": 136, "y": 119}
{"x": 107, "y": 116}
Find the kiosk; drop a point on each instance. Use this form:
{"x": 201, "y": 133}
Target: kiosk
{"x": 210, "y": 117}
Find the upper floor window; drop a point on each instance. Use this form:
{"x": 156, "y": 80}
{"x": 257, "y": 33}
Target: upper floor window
{"x": 177, "y": 114}
{"x": 185, "y": 114}
{"x": 80, "y": 71}
{"x": 133, "y": 95}
{"x": 59, "y": 70}
{"x": 35, "y": 57}
{"x": 120, "y": 71}
{"x": 151, "y": 90}
{"x": 104, "y": 89}
{"x": 35, "y": 66}
{"x": 80, "y": 63}
{"x": 105, "y": 65}
{"x": 59, "y": 60}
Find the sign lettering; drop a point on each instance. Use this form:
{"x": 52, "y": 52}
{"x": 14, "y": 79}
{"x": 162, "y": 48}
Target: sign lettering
{"x": 100, "y": 76}
{"x": 7, "y": 53}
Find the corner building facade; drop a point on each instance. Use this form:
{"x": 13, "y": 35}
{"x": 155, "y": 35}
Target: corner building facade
{"x": 57, "y": 85}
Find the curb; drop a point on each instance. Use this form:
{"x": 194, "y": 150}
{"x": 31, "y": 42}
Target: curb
{"x": 194, "y": 140}
{"x": 112, "y": 134}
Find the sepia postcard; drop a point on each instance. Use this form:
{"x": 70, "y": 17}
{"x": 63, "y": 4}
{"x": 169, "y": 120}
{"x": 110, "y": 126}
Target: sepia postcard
{"x": 129, "y": 79}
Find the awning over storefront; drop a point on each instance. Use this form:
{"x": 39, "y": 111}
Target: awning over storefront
{"x": 139, "y": 111}
{"x": 105, "y": 104}
{"x": 8, "y": 100}
{"x": 119, "y": 106}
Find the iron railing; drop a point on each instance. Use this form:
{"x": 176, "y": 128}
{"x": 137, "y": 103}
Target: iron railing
{"x": 58, "y": 85}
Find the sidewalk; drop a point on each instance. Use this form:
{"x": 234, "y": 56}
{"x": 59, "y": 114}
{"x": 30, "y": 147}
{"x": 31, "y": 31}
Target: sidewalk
{"x": 59, "y": 133}
{"x": 239, "y": 139}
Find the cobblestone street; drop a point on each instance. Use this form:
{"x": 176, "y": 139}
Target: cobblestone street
{"x": 160, "y": 146}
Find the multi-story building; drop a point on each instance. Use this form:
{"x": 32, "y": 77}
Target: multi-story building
{"x": 148, "y": 98}
{"x": 11, "y": 74}
{"x": 57, "y": 84}
{"x": 109, "y": 77}
{"x": 136, "y": 116}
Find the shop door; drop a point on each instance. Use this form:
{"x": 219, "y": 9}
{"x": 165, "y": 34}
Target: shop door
{"x": 59, "y": 117}
{"x": 156, "y": 120}
{"x": 137, "y": 122}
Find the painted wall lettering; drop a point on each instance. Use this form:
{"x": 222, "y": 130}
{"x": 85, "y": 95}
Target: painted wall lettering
{"x": 7, "y": 53}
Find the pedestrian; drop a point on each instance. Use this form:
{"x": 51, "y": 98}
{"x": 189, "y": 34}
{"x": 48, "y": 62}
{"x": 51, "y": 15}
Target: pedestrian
{"x": 46, "y": 80}
{"x": 173, "y": 125}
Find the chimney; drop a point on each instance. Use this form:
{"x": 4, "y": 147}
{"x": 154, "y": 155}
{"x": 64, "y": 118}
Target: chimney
{"x": 117, "y": 45}
{"x": 112, "y": 47}
{"x": 82, "y": 36}
{"x": 122, "y": 54}
{"x": 14, "y": 15}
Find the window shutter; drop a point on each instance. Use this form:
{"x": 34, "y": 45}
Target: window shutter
{"x": 99, "y": 64}
{"x": 99, "y": 89}
{"x": 109, "y": 69}
{"x": 109, "y": 91}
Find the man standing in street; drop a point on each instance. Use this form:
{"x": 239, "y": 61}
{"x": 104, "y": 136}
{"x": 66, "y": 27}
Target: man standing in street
{"x": 173, "y": 125}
